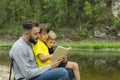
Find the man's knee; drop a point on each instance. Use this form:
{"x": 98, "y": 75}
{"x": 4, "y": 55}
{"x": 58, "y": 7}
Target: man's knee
{"x": 63, "y": 71}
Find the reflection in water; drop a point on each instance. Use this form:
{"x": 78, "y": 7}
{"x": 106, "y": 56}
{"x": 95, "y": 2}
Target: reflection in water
{"x": 97, "y": 52}
{"x": 94, "y": 65}
{"x": 4, "y": 54}
{"x": 97, "y": 67}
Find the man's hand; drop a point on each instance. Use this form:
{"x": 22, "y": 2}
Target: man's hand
{"x": 55, "y": 63}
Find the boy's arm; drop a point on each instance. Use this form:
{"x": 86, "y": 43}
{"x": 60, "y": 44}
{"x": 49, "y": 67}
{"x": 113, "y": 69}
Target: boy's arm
{"x": 43, "y": 57}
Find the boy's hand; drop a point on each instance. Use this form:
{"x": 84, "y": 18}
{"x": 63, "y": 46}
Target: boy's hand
{"x": 64, "y": 59}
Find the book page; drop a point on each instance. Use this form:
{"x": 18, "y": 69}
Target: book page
{"x": 59, "y": 53}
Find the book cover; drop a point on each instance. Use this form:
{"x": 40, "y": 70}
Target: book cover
{"x": 60, "y": 52}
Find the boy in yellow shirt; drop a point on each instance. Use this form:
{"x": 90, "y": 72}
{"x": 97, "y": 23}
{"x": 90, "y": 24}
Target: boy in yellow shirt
{"x": 40, "y": 49}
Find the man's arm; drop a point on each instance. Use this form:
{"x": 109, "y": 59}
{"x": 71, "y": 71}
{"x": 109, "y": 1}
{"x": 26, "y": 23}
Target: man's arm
{"x": 27, "y": 64}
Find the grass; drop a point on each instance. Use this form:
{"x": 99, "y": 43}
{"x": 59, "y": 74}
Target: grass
{"x": 5, "y": 47}
{"x": 92, "y": 45}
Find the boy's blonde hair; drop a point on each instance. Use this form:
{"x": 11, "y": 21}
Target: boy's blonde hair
{"x": 52, "y": 35}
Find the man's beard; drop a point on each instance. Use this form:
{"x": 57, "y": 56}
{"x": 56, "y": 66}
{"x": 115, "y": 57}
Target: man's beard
{"x": 31, "y": 40}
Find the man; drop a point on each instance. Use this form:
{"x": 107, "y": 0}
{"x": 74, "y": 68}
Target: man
{"x": 24, "y": 64}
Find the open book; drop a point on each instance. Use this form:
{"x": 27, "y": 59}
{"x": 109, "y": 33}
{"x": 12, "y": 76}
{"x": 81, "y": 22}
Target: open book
{"x": 59, "y": 53}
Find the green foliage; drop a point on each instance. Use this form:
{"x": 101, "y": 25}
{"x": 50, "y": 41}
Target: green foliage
{"x": 116, "y": 24}
{"x": 83, "y": 14}
{"x": 88, "y": 9}
{"x": 83, "y": 33}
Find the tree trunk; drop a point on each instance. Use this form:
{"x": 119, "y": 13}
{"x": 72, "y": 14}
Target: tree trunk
{"x": 78, "y": 16}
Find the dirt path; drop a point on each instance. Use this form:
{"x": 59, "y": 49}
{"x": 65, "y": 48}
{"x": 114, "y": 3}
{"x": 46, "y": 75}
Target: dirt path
{"x": 4, "y": 73}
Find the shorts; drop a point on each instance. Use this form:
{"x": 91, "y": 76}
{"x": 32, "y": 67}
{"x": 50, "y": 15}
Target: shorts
{"x": 62, "y": 64}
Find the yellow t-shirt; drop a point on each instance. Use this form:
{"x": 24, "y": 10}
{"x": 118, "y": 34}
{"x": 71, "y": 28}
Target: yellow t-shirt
{"x": 40, "y": 48}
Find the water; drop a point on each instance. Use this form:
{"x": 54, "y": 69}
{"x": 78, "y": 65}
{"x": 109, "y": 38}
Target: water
{"x": 4, "y": 54}
{"x": 94, "y": 65}
{"x": 4, "y": 57}
{"x": 97, "y": 65}
{"x": 97, "y": 52}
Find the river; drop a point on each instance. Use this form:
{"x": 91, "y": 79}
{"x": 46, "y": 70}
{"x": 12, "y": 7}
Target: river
{"x": 94, "y": 65}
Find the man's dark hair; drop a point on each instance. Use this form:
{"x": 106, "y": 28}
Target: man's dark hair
{"x": 29, "y": 24}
